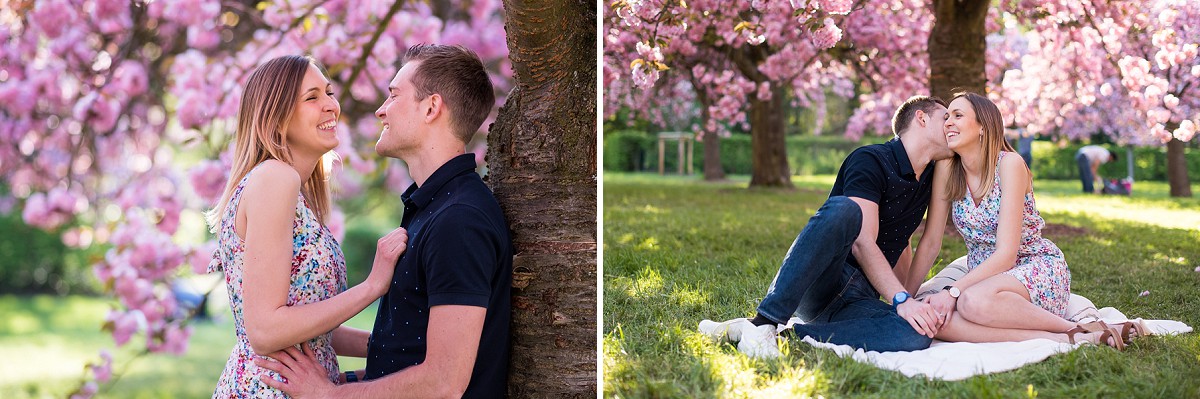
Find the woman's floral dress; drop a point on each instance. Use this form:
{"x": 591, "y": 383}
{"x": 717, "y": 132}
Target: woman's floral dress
{"x": 1040, "y": 264}
{"x": 318, "y": 273}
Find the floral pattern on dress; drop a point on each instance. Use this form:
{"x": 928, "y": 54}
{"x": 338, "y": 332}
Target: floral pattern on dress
{"x": 318, "y": 273}
{"x": 1040, "y": 265}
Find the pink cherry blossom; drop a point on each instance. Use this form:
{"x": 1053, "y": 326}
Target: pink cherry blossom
{"x": 208, "y": 178}
{"x": 53, "y": 17}
{"x": 124, "y": 325}
{"x": 103, "y": 371}
{"x": 837, "y": 6}
{"x": 86, "y": 391}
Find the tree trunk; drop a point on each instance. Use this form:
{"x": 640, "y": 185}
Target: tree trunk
{"x": 542, "y": 160}
{"x": 712, "y": 152}
{"x": 712, "y": 157}
{"x": 1177, "y": 173}
{"x": 957, "y": 47}
{"x": 768, "y": 147}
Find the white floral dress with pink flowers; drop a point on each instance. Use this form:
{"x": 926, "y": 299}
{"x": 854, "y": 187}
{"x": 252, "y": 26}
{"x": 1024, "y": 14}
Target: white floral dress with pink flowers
{"x": 318, "y": 273}
{"x": 1040, "y": 264}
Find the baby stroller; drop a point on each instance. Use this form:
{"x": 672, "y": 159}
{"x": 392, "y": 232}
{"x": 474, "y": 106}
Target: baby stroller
{"x": 1117, "y": 187}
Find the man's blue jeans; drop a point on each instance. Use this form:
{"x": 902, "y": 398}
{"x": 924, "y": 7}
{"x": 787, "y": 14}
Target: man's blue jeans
{"x": 1085, "y": 173}
{"x": 834, "y": 298}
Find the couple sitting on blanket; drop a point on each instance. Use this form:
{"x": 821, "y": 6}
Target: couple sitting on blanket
{"x": 952, "y": 159}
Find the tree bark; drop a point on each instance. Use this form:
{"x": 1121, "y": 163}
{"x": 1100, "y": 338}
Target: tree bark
{"x": 711, "y": 141}
{"x": 712, "y": 157}
{"x": 770, "y": 167}
{"x": 1177, "y": 173}
{"x": 768, "y": 149}
{"x": 542, "y": 159}
{"x": 957, "y": 47}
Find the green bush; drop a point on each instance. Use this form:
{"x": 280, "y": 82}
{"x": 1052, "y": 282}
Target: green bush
{"x": 627, "y": 150}
{"x": 359, "y": 249}
{"x": 35, "y": 261}
{"x": 634, "y": 151}
{"x": 1150, "y": 163}
{"x": 637, "y": 151}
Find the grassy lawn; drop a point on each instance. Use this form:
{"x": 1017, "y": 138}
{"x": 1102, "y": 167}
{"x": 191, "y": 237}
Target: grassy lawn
{"x": 677, "y": 251}
{"x": 45, "y": 342}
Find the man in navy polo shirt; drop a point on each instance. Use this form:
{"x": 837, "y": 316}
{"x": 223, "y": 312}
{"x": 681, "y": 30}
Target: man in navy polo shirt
{"x": 443, "y": 327}
{"x": 856, "y": 247}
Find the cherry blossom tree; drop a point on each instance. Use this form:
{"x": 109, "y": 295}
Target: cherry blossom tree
{"x": 743, "y": 60}
{"x": 1060, "y": 67}
{"x": 117, "y": 116}
{"x": 1126, "y": 70}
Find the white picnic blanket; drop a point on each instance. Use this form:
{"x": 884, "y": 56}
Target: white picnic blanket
{"x": 954, "y": 361}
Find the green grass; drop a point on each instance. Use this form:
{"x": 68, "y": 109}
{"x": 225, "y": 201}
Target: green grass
{"x": 45, "y": 341}
{"x": 677, "y": 250}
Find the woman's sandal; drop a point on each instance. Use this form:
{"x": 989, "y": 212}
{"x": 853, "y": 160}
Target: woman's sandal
{"x": 1131, "y": 329}
{"x": 1107, "y": 337}
{"x": 1095, "y": 326}
{"x": 1128, "y": 330}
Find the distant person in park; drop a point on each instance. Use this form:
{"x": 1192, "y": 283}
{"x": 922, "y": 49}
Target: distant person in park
{"x": 856, "y": 249}
{"x": 1089, "y": 158}
{"x": 1018, "y": 284}
{"x": 1024, "y": 144}
{"x": 284, "y": 270}
{"x": 443, "y": 328}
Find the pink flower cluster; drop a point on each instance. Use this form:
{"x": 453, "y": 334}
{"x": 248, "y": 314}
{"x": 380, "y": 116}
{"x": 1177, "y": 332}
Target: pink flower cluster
{"x": 1065, "y": 83}
{"x": 208, "y": 180}
{"x": 705, "y": 46}
{"x": 53, "y": 209}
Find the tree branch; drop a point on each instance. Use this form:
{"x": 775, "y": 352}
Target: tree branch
{"x": 366, "y": 51}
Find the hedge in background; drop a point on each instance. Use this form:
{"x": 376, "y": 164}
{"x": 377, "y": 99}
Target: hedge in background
{"x": 1150, "y": 163}
{"x": 35, "y": 261}
{"x": 634, "y": 151}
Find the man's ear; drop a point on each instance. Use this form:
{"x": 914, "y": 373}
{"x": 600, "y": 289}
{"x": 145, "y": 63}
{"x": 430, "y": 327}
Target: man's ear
{"x": 920, "y": 117}
{"x": 435, "y": 108}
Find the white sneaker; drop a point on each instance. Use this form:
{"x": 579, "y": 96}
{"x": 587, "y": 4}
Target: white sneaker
{"x": 759, "y": 342}
{"x": 726, "y": 331}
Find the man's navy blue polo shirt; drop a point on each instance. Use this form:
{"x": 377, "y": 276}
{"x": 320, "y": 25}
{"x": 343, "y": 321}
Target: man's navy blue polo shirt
{"x": 883, "y": 174}
{"x": 459, "y": 253}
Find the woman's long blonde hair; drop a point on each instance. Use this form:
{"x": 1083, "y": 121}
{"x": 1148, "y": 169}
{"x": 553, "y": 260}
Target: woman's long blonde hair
{"x": 268, "y": 102}
{"x": 991, "y": 139}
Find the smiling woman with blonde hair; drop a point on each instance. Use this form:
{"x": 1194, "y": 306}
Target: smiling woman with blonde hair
{"x": 1018, "y": 284}
{"x": 284, "y": 270}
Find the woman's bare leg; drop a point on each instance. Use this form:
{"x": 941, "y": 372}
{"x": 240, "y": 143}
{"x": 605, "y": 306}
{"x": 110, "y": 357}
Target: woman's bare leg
{"x": 959, "y": 329}
{"x": 1002, "y": 301}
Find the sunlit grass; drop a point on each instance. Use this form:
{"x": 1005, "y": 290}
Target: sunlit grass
{"x": 46, "y": 341}
{"x": 717, "y": 246}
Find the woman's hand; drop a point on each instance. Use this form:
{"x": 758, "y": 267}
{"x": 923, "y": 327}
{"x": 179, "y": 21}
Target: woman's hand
{"x": 944, "y": 305}
{"x": 387, "y": 251}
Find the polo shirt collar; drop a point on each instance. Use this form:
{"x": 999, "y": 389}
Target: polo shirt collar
{"x": 421, "y": 196}
{"x": 906, "y": 168}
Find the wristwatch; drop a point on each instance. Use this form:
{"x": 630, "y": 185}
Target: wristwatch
{"x": 351, "y": 376}
{"x": 954, "y": 292}
{"x": 900, "y": 298}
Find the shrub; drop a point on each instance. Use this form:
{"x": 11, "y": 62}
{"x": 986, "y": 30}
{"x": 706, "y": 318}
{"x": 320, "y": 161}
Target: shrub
{"x": 807, "y": 155}
{"x": 1150, "y": 163}
{"x": 35, "y": 261}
